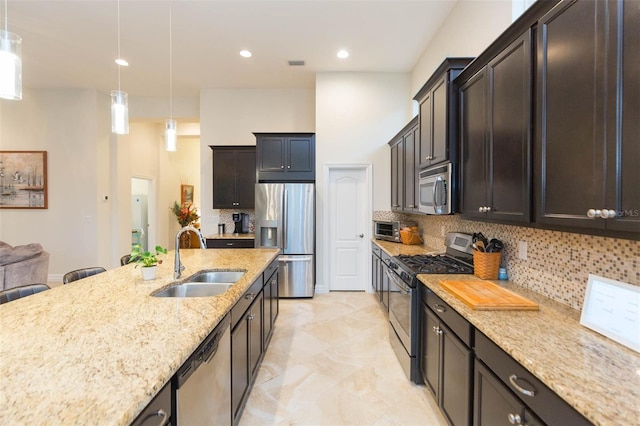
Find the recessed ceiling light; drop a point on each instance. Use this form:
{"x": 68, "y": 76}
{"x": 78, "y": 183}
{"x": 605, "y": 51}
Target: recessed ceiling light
{"x": 122, "y": 62}
{"x": 342, "y": 54}
{"x": 245, "y": 54}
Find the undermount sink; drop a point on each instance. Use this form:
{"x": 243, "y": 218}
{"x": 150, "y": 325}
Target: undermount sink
{"x": 216, "y": 277}
{"x": 202, "y": 284}
{"x": 194, "y": 290}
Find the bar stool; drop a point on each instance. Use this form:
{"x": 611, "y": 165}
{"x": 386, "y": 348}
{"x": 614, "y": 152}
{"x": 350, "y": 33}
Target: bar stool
{"x": 22, "y": 291}
{"x": 81, "y": 273}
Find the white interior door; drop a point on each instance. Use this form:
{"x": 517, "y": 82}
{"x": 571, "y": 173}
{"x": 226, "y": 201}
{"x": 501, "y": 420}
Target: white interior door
{"x": 348, "y": 226}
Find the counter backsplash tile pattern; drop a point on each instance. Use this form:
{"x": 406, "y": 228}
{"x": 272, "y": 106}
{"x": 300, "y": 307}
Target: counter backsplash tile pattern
{"x": 558, "y": 263}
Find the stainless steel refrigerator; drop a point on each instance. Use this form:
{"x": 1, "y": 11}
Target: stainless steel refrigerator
{"x": 285, "y": 218}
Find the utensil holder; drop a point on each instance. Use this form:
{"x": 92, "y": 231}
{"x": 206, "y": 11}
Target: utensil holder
{"x": 486, "y": 265}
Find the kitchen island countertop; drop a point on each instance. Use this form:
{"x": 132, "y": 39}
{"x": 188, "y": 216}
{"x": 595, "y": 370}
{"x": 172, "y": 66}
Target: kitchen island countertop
{"x": 96, "y": 351}
{"x": 595, "y": 375}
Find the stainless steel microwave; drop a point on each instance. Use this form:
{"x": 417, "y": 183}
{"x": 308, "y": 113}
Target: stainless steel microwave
{"x": 435, "y": 188}
{"x": 389, "y": 230}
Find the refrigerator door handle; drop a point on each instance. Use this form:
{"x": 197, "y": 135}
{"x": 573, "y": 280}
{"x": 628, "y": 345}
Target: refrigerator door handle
{"x": 295, "y": 259}
{"x": 284, "y": 221}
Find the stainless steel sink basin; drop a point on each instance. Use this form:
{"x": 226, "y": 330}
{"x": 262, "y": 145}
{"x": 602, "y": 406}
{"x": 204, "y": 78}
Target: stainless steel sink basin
{"x": 216, "y": 277}
{"x": 202, "y": 284}
{"x": 194, "y": 290}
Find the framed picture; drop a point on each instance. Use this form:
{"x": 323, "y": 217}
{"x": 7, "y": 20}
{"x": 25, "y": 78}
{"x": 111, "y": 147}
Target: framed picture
{"x": 23, "y": 179}
{"x": 186, "y": 194}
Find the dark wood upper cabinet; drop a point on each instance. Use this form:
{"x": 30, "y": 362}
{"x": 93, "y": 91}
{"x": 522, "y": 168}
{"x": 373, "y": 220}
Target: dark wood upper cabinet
{"x": 587, "y": 152}
{"x": 495, "y": 137}
{"x": 234, "y": 177}
{"x": 285, "y": 157}
{"x": 473, "y": 141}
{"x": 404, "y": 168}
{"x": 438, "y": 125}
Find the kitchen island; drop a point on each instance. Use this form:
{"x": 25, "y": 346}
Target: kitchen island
{"x": 96, "y": 351}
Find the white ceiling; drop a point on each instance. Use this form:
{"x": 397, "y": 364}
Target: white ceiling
{"x": 73, "y": 43}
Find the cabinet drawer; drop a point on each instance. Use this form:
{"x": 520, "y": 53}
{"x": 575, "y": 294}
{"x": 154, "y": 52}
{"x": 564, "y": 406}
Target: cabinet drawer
{"x": 460, "y": 326}
{"x": 375, "y": 249}
{"x": 544, "y": 402}
{"x": 230, "y": 243}
{"x": 273, "y": 267}
{"x": 245, "y": 301}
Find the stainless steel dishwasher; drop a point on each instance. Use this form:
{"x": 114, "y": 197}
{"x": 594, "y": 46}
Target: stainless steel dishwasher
{"x": 203, "y": 395}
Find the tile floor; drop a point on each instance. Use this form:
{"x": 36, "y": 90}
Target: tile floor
{"x": 330, "y": 363}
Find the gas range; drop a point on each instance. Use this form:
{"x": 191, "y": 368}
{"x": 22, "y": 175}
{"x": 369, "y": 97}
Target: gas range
{"x": 458, "y": 259}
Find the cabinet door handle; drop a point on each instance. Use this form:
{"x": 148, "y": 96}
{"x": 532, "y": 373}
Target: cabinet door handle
{"x": 411, "y": 206}
{"x": 282, "y": 167}
{"x": 439, "y": 308}
{"x": 288, "y": 167}
{"x": 230, "y": 244}
{"x": 250, "y": 296}
{"x": 527, "y": 392}
{"x": 251, "y": 317}
{"x": 437, "y": 330}
{"x": 514, "y": 419}
{"x": 159, "y": 413}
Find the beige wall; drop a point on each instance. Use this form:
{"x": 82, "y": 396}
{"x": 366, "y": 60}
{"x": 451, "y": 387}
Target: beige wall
{"x": 65, "y": 124}
{"x": 356, "y": 116}
{"x": 86, "y": 162}
{"x": 229, "y": 116}
{"x": 470, "y": 28}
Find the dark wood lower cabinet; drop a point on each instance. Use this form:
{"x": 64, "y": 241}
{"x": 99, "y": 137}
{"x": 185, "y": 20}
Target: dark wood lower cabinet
{"x": 446, "y": 364}
{"x": 495, "y": 405}
{"x": 246, "y": 354}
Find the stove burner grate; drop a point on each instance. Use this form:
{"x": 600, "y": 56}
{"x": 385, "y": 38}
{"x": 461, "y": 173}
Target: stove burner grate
{"x": 435, "y": 264}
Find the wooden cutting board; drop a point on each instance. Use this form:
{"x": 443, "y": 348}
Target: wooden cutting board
{"x": 485, "y": 295}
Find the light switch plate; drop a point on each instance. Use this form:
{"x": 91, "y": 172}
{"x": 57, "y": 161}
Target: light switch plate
{"x": 522, "y": 250}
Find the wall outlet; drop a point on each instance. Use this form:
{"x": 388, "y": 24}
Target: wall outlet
{"x": 522, "y": 250}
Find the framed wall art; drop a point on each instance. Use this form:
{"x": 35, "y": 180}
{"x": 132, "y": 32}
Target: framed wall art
{"x": 186, "y": 197}
{"x": 23, "y": 179}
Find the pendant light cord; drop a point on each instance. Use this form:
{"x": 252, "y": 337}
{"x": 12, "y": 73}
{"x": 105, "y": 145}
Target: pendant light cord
{"x": 119, "y": 66}
{"x": 170, "y": 68}
{"x": 6, "y": 14}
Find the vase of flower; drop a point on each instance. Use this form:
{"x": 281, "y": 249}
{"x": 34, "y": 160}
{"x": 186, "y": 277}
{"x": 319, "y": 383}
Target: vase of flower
{"x": 185, "y": 240}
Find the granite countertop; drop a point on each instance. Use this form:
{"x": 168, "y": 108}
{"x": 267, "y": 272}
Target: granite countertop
{"x": 230, "y": 237}
{"x": 396, "y": 249}
{"x": 96, "y": 351}
{"x": 597, "y": 376}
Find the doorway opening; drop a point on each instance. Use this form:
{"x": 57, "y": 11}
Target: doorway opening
{"x": 140, "y": 202}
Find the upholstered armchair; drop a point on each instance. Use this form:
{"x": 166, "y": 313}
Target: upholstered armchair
{"x": 22, "y": 265}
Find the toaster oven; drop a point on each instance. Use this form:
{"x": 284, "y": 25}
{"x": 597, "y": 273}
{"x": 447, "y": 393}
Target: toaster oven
{"x": 389, "y": 230}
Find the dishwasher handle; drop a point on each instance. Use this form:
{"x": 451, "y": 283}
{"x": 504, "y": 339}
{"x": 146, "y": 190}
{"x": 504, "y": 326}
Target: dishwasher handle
{"x": 204, "y": 353}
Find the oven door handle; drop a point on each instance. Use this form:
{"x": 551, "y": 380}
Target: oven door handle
{"x": 398, "y": 282}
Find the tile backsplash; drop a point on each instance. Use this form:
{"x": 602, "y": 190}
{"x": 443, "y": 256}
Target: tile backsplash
{"x": 558, "y": 264}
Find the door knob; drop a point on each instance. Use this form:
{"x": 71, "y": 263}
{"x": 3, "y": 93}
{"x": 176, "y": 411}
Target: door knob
{"x": 361, "y": 235}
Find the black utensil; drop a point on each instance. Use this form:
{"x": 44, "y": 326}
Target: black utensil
{"x": 494, "y": 246}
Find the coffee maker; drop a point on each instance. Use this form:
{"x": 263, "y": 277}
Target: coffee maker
{"x": 241, "y": 222}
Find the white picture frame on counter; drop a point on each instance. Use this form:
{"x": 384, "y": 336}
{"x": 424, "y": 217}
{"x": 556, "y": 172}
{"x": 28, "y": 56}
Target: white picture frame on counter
{"x": 612, "y": 308}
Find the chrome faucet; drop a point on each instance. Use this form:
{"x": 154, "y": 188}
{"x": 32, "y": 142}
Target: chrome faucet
{"x": 178, "y": 267}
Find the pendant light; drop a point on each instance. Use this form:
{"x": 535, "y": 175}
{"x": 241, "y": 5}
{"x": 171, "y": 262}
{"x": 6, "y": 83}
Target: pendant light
{"x": 10, "y": 62}
{"x": 119, "y": 99}
{"x": 170, "y": 129}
